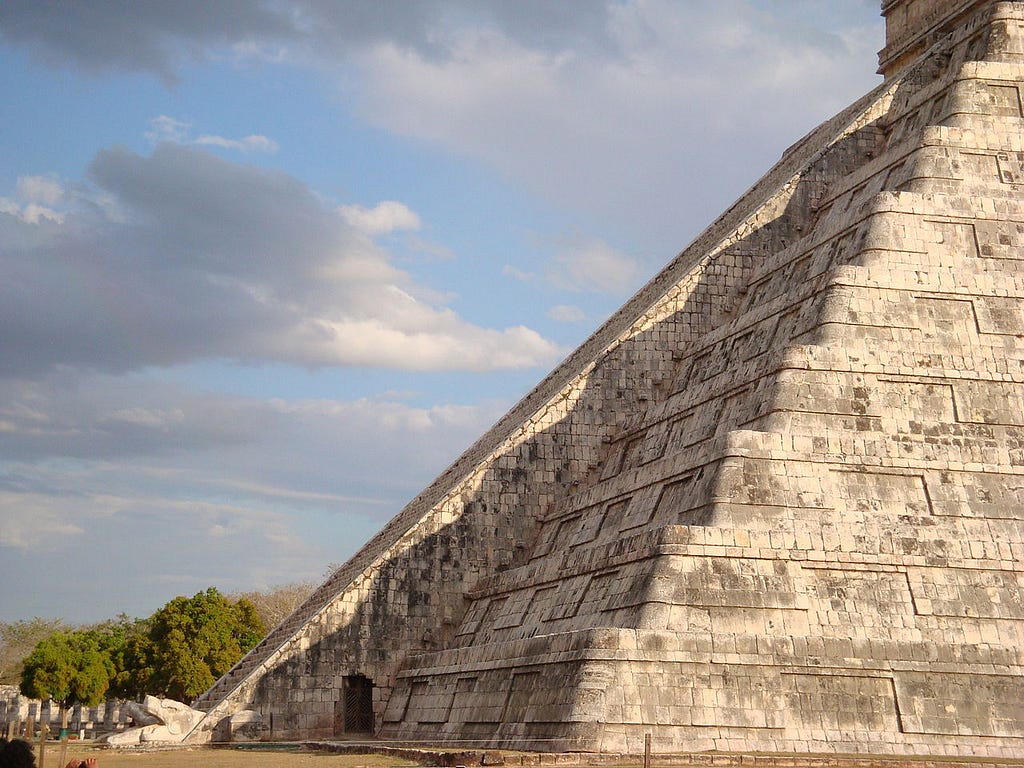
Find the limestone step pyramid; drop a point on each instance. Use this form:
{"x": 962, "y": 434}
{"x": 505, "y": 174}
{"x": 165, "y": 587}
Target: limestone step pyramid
{"x": 775, "y": 503}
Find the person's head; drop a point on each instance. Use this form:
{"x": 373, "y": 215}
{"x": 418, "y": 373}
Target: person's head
{"x": 17, "y": 754}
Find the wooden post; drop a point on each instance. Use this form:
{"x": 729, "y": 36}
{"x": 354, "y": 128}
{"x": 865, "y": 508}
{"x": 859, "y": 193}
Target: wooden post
{"x": 63, "y": 747}
{"x": 647, "y": 750}
{"x": 44, "y": 728}
{"x": 63, "y": 733}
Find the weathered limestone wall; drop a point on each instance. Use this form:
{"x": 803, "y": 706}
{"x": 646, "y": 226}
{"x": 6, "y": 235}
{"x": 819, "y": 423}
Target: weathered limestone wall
{"x": 774, "y": 504}
{"x": 842, "y": 457}
{"x": 406, "y": 590}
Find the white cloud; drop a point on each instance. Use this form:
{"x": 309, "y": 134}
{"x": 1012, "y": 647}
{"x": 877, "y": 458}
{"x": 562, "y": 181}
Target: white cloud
{"x": 384, "y": 218}
{"x": 567, "y": 313}
{"x": 435, "y": 251}
{"x": 194, "y": 270}
{"x": 30, "y": 213}
{"x": 72, "y": 415}
{"x": 650, "y": 122}
{"x": 392, "y": 416}
{"x": 40, "y": 189}
{"x": 518, "y": 274}
{"x": 252, "y": 143}
{"x": 194, "y": 489}
{"x": 452, "y": 345}
{"x": 582, "y": 265}
{"x": 159, "y": 537}
{"x": 151, "y": 418}
{"x": 164, "y": 128}
{"x": 633, "y": 111}
{"x": 33, "y": 198}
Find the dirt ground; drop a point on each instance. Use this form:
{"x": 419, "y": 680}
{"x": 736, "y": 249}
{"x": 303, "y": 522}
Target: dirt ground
{"x": 217, "y": 758}
{"x": 294, "y": 757}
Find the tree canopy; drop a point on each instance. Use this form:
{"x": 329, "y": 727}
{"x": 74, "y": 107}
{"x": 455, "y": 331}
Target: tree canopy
{"x": 178, "y": 652}
{"x": 126, "y": 643}
{"x": 196, "y": 640}
{"x": 69, "y": 668}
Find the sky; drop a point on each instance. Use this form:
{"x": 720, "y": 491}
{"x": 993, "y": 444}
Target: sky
{"x": 268, "y": 267}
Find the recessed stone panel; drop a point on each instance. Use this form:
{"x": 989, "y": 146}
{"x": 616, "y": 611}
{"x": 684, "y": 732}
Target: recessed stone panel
{"x": 1001, "y": 99}
{"x": 1000, "y": 315}
{"x": 429, "y": 702}
{"x": 514, "y": 610}
{"x": 961, "y": 704}
{"x": 953, "y": 238}
{"x": 993, "y": 495}
{"x": 839, "y": 702}
{"x": 990, "y": 402}
{"x": 721, "y": 581}
{"x": 966, "y": 592}
{"x": 676, "y": 499}
{"x": 570, "y": 594}
{"x": 849, "y": 602}
{"x": 871, "y": 492}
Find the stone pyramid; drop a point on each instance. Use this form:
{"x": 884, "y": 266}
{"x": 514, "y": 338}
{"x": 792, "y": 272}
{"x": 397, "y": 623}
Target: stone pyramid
{"x": 775, "y": 503}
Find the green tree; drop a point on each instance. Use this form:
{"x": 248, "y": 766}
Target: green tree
{"x": 129, "y": 650}
{"x": 179, "y": 651}
{"x": 196, "y": 640}
{"x": 69, "y": 668}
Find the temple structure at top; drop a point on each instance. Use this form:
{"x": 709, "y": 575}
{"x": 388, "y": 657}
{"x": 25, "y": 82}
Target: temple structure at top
{"x": 775, "y": 503}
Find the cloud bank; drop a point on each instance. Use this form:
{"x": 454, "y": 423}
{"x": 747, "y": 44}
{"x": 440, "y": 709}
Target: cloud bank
{"x": 191, "y": 256}
{"x": 624, "y": 111}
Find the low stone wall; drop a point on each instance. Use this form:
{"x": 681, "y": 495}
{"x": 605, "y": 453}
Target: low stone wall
{"x": 17, "y": 712}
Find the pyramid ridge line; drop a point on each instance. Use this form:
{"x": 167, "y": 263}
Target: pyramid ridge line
{"x": 752, "y": 199}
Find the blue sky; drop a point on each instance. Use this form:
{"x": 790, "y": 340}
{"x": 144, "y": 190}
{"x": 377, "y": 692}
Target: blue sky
{"x": 266, "y": 268}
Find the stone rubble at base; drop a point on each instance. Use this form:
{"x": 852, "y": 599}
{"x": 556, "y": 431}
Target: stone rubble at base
{"x": 774, "y": 504}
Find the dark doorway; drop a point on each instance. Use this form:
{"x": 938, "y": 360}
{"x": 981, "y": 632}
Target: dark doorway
{"x": 354, "y": 713}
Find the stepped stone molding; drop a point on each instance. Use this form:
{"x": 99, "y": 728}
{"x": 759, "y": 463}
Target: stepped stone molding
{"x": 774, "y": 504}
{"x": 911, "y": 26}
